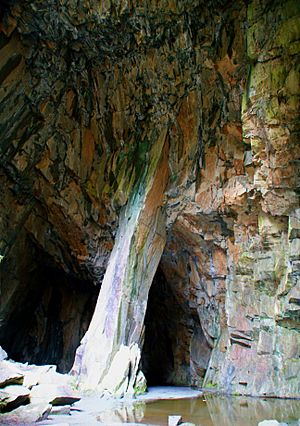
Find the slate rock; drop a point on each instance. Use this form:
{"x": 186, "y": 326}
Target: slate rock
{"x": 26, "y": 415}
{"x": 10, "y": 374}
{"x": 54, "y": 394}
{"x": 59, "y": 410}
{"x": 40, "y": 374}
{"x": 12, "y": 397}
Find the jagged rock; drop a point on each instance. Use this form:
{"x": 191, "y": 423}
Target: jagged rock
{"x": 54, "y": 394}
{"x": 42, "y": 374}
{"x": 140, "y": 385}
{"x": 12, "y": 397}
{"x": 28, "y": 414}
{"x": 65, "y": 400}
{"x": 10, "y": 374}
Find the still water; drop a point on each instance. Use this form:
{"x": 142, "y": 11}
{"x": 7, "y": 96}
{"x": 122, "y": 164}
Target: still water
{"x": 208, "y": 410}
{"x": 216, "y": 410}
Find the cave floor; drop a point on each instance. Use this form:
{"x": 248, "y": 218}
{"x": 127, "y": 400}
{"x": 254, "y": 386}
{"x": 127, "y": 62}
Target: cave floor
{"x": 92, "y": 410}
{"x": 203, "y": 409}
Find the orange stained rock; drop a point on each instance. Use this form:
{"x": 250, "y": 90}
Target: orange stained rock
{"x": 239, "y": 167}
{"x": 43, "y": 166}
{"x": 210, "y": 172}
{"x": 227, "y": 69}
{"x": 220, "y": 261}
{"x": 233, "y": 129}
{"x": 70, "y": 96}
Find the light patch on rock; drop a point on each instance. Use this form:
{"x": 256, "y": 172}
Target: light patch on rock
{"x": 174, "y": 420}
{"x": 3, "y": 354}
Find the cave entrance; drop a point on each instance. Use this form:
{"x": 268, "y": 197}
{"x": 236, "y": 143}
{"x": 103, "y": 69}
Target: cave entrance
{"x": 158, "y": 352}
{"x": 175, "y": 350}
{"x": 48, "y": 312}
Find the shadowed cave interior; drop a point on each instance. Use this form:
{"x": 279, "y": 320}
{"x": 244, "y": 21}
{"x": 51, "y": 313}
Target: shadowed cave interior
{"x": 55, "y": 308}
{"x": 53, "y": 312}
{"x": 175, "y": 350}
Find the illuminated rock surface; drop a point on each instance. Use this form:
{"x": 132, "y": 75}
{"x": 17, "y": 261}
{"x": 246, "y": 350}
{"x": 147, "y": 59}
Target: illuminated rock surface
{"x": 152, "y": 149}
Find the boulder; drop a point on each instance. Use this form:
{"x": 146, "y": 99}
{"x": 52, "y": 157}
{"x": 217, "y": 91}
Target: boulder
{"x": 12, "y": 397}
{"x": 28, "y": 414}
{"x": 140, "y": 386}
{"x": 10, "y": 374}
{"x": 42, "y": 374}
{"x": 54, "y": 394}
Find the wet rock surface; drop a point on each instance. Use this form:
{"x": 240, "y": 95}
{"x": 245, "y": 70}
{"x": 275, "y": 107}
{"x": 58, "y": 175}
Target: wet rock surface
{"x": 137, "y": 135}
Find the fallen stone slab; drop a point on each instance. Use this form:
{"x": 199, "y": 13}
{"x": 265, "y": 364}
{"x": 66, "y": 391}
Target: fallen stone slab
{"x": 271, "y": 423}
{"x": 58, "y": 410}
{"x": 54, "y": 394}
{"x": 174, "y": 420}
{"x": 27, "y": 414}
{"x": 64, "y": 400}
{"x": 12, "y": 397}
{"x": 10, "y": 374}
{"x": 42, "y": 374}
{"x": 37, "y": 374}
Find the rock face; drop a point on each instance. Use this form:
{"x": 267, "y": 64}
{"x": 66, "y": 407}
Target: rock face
{"x": 143, "y": 138}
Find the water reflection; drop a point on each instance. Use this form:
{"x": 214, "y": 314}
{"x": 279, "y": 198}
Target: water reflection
{"x": 238, "y": 411}
{"x": 209, "y": 410}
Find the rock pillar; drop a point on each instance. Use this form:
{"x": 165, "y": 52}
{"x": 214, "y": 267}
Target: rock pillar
{"x": 108, "y": 357}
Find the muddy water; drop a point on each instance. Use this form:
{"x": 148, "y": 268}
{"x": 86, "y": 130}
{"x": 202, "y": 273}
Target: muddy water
{"x": 215, "y": 410}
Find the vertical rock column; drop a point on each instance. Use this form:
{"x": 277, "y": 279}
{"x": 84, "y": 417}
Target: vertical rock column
{"x": 108, "y": 357}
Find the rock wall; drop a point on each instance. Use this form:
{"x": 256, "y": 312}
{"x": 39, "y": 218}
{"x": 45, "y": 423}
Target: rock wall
{"x": 134, "y": 133}
{"x": 262, "y": 298}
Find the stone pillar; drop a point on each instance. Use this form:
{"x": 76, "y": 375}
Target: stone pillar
{"x": 108, "y": 357}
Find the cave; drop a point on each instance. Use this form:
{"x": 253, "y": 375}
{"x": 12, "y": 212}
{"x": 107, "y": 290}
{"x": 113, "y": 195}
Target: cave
{"x": 48, "y": 313}
{"x": 161, "y": 324}
{"x": 152, "y": 150}
{"x": 175, "y": 350}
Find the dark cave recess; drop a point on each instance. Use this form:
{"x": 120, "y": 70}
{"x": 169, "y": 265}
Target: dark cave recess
{"x": 175, "y": 350}
{"x": 47, "y": 316}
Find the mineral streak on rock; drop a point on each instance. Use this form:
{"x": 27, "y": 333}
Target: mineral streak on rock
{"x": 139, "y": 136}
